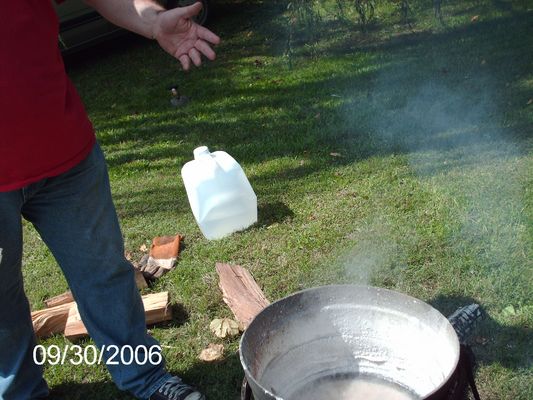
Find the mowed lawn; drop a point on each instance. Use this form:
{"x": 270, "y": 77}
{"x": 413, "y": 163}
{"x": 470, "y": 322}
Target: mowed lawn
{"x": 400, "y": 158}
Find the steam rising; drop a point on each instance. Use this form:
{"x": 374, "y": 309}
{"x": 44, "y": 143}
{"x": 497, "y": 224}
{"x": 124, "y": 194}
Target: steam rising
{"x": 372, "y": 252}
{"x": 457, "y": 144}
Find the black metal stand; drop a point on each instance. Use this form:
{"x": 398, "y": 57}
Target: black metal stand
{"x": 246, "y": 391}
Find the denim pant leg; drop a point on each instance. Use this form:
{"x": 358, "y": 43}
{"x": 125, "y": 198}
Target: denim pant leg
{"x": 76, "y": 218}
{"x": 20, "y": 377}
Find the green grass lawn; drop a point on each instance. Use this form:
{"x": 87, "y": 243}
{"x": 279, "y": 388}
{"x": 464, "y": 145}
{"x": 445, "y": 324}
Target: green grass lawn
{"x": 429, "y": 190}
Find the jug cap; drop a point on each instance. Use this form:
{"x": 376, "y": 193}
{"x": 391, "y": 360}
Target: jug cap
{"x": 201, "y": 151}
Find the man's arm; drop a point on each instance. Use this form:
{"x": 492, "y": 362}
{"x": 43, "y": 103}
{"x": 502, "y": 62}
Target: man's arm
{"x": 174, "y": 29}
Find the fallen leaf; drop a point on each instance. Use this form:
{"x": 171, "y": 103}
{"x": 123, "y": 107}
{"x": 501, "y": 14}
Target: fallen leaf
{"x": 475, "y": 18}
{"x": 143, "y": 248}
{"x": 224, "y": 327}
{"x": 335, "y": 154}
{"x": 509, "y": 310}
{"x": 213, "y": 352}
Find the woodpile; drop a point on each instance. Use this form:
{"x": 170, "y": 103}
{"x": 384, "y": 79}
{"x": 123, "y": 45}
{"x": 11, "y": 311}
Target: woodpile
{"x": 239, "y": 289}
{"x": 156, "y": 309}
{"x": 61, "y": 315}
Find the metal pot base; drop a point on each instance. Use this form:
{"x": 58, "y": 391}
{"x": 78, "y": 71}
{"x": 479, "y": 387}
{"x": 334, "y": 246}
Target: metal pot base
{"x": 456, "y": 390}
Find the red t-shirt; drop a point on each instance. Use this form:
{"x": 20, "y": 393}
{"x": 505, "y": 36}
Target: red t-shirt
{"x": 44, "y": 129}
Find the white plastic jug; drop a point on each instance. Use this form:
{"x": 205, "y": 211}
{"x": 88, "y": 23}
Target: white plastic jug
{"x": 221, "y": 198}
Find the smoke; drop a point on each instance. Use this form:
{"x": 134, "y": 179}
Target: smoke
{"x": 458, "y": 146}
{"x": 373, "y": 251}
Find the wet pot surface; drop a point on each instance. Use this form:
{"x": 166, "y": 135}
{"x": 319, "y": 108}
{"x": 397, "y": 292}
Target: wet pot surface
{"x": 347, "y": 342}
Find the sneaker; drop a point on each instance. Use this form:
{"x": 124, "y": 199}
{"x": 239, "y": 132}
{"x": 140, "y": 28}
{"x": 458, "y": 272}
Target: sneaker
{"x": 175, "y": 389}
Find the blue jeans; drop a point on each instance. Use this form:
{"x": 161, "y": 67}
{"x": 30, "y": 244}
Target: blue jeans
{"x": 75, "y": 216}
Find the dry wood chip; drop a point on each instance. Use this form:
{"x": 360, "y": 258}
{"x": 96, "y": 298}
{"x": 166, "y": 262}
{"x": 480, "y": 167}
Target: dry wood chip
{"x": 213, "y": 352}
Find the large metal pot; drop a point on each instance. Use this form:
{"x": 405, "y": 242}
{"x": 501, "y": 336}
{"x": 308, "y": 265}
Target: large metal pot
{"x": 349, "y": 342}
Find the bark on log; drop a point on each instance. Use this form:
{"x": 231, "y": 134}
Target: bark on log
{"x": 139, "y": 280}
{"x": 63, "y": 298}
{"x": 240, "y": 292}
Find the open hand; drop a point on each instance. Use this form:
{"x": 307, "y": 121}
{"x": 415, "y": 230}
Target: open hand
{"x": 181, "y": 37}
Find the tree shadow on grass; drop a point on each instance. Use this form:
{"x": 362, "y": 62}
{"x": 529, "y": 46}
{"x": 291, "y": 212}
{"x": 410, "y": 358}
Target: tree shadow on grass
{"x": 424, "y": 92}
{"x": 218, "y": 381}
{"x": 180, "y": 315}
{"x": 403, "y": 101}
{"x": 84, "y": 391}
{"x": 273, "y": 212}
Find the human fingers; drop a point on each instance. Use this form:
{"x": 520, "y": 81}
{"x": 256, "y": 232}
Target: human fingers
{"x": 207, "y": 35}
{"x": 169, "y": 18}
{"x": 205, "y": 49}
{"x": 195, "y": 57}
{"x": 185, "y": 62}
{"x": 185, "y": 12}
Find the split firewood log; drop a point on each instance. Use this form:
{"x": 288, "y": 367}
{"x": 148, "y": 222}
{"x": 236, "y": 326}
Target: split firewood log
{"x": 63, "y": 298}
{"x": 240, "y": 292}
{"x": 49, "y": 321}
{"x": 156, "y": 309}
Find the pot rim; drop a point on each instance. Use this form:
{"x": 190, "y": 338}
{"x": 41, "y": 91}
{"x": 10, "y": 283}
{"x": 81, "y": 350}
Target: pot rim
{"x": 454, "y": 339}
